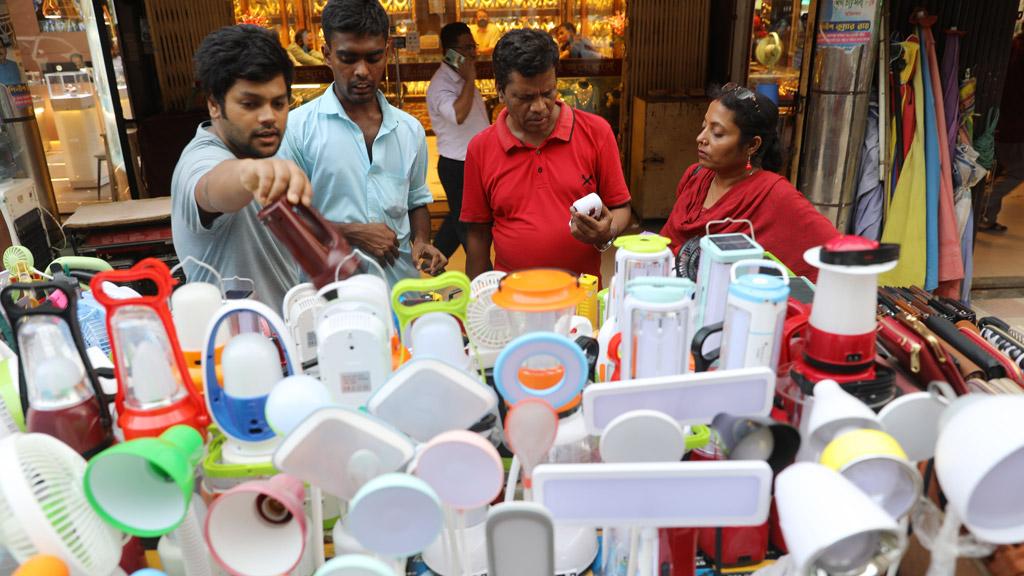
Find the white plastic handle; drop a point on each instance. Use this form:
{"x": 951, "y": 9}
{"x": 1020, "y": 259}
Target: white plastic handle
{"x": 759, "y": 264}
{"x": 369, "y": 261}
{"x": 201, "y": 264}
{"x": 707, "y": 227}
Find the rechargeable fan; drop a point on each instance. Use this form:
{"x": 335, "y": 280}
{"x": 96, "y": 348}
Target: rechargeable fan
{"x": 487, "y": 323}
{"x": 43, "y": 509}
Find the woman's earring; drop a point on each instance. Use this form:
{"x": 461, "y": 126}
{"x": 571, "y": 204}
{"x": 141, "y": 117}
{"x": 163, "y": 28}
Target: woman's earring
{"x": 749, "y": 167}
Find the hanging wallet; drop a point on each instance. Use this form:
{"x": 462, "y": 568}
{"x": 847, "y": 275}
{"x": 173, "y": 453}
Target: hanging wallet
{"x": 978, "y": 353}
{"x": 921, "y": 355}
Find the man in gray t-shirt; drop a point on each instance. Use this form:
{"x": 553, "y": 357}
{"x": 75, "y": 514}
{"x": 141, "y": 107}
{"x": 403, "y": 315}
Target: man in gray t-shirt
{"x": 228, "y": 171}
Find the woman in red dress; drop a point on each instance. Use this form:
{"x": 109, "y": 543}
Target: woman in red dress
{"x": 738, "y": 154}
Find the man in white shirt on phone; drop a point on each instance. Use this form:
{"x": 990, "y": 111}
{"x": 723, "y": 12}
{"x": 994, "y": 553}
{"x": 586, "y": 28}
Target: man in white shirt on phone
{"x": 457, "y": 113}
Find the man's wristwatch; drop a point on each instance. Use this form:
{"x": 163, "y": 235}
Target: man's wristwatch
{"x": 606, "y": 245}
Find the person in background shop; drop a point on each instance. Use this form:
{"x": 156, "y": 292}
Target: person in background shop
{"x": 9, "y": 71}
{"x": 572, "y": 46}
{"x": 1009, "y": 140}
{"x": 457, "y": 113}
{"x": 301, "y": 51}
{"x": 228, "y": 170}
{"x": 367, "y": 159}
{"x": 78, "y": 60}
{"x": 485, "y": 33}
{"x": 525, "y": 171}
{"x": 735, "y": 177}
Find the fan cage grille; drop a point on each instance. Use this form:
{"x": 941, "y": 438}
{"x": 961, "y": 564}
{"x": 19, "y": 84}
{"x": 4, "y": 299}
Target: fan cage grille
{"x": 53, "y": 473}
{"x": 487, "y": 325}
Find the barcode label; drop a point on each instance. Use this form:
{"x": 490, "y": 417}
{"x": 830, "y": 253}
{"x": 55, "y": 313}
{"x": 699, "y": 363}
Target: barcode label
{"x": 355, "y": 382}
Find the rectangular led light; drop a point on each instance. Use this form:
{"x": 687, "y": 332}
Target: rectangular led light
{"x": 689, "y": 398}
{"x": 656, "y": 495}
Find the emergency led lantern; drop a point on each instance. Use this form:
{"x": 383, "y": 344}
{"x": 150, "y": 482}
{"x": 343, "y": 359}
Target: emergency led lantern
{"x": 354, "y": 338}
{"x": 258, "y": 528}
{"x": 251, "y": 366}
{"x": 755, "y": 312}
{"x": 637, "y": 256}
{"x": 300, "y": 308}
{"x": 143, "y": 487}
{"x": 57, "y": 377}
{"x": 193, "y": 304}
{"x": 840, "y": 336}
{"x": 718, "y": 252}
{"x": 412, "y": 298}
{"x": 155, "y": 390}
{"x": 656, "y": 325}
{"x": 832, "y": 527}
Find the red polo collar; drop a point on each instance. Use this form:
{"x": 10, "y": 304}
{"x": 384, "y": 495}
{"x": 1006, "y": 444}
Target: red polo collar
{"x": 563, "y": 130}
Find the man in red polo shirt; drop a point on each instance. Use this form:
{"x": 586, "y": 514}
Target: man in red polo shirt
{"x": 525, "y": 171}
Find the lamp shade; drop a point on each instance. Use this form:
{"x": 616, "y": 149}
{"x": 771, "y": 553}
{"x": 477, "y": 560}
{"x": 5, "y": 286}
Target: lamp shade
{"x": 258, "y": 528}
{"x": 876, "y": 464}
{"x": 834, "y": 411}
{"x": 979, "y": 460}
{"x": 643, "y": 436}
{"x": 42, "y": 565}
{"x": 830, "y": 525}
{"x": 143, "y": 487}
{"x": 757, "y": 438}
{"x": 395, "y": 515}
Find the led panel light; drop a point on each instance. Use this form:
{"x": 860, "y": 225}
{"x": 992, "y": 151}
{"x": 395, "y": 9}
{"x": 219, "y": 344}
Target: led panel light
{"x": 688, "y": 398}
{"x": 656, "y": 495}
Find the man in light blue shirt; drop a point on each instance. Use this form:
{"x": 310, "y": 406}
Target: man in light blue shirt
{"x": 367, "y": 160}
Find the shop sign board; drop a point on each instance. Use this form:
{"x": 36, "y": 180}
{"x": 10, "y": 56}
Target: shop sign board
{"x": 846, "y": 23}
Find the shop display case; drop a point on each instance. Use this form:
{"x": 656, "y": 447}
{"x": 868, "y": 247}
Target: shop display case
{"x": 776, "y": 49}
{"x": 774, "y": 58}
{"x": 78, "y": 126}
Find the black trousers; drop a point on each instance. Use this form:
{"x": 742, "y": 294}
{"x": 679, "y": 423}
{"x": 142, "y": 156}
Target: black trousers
{"x": 452, "y": 232}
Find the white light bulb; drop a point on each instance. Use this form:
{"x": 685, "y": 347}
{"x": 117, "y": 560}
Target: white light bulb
{"x": 193, "y": 305}
{"x": 58, "y": 383}
{"x": 252, "y": 366}
{"x": 152, "y": 375}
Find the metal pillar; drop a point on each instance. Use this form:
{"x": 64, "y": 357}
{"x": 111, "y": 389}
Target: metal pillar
{"x": 845, "y": 52}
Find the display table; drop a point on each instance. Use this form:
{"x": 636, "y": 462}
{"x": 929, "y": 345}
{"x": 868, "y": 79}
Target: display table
{"x": 123, "y": 232}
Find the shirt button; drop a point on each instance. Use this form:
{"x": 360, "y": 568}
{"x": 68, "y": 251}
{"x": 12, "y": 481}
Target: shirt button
{"x": 540, "y": 170}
